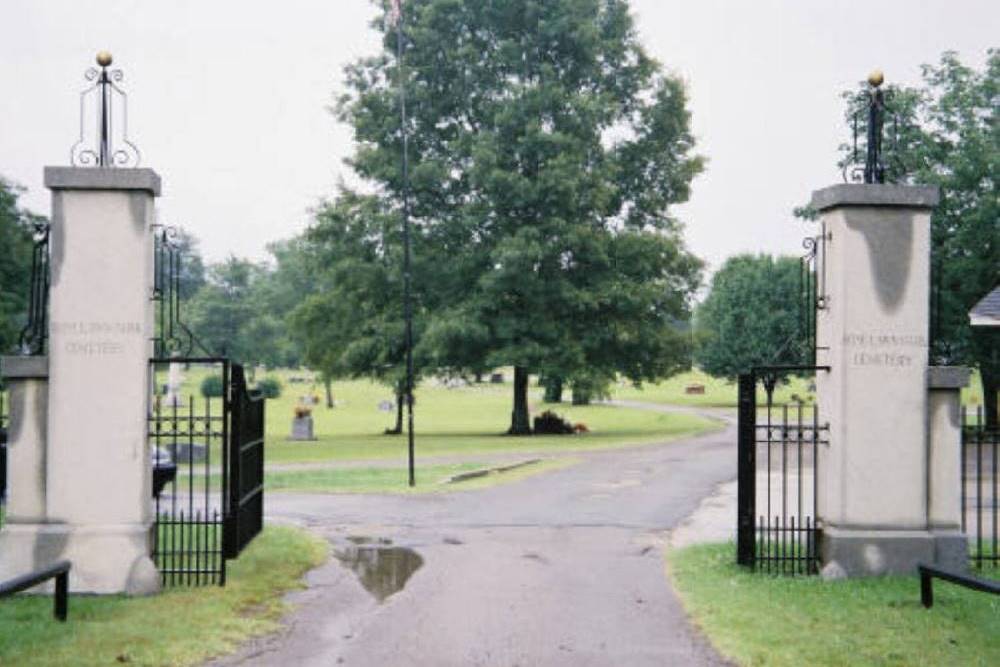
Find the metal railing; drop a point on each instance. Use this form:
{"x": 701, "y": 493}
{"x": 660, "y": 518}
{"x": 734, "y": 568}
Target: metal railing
{"x": 4, "y": 419}
{"x": 778, "y": 459}
{"x": 980, "y": 499}
{"x": 59, "y": 571}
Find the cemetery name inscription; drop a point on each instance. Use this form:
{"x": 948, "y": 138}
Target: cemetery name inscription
{"x": 884, "y": 350}
{"x": 94, "y": 338}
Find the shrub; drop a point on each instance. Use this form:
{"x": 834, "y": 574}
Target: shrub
{"x": 270, "y": 387}
{"x": 211, "y": 386}
{"x": 549, "y": 423}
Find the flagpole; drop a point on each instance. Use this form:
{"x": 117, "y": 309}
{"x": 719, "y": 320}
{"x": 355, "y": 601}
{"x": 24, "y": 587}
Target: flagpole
{"x": 397, "y": 13}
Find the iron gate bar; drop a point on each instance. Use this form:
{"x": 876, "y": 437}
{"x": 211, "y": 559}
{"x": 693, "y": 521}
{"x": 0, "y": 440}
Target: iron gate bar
{"x": 245, "y": 518}
{"x": 746, "y": 469}
{"x": 188, "y": 546}
{"x": 34, "y": 335}
{"x": 986, "y": 541}
{"x": 781, "y": 543}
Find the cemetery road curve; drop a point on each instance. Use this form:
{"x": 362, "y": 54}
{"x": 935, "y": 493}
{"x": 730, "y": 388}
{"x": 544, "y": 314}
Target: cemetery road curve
{"x": 564, "y": 568}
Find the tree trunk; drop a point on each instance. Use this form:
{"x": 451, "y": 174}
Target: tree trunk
{"x": 553, "y": 389}
{"x": 327, "y": 384}
{"x": 581, "y": 396}
{"x": 400, "y": 397}
{"x": 479, "y": 378}
{"x": 519, "y": 419}
{"x": 991, "y": 389}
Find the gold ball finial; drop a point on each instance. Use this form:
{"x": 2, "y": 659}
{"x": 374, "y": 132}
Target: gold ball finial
{"x": 104, "y": 58}
{"x": 876, "y": 78}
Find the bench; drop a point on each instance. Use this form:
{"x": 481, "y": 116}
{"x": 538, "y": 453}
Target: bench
{"x": 929, "y": 572}
{"x": 59, "y": 571}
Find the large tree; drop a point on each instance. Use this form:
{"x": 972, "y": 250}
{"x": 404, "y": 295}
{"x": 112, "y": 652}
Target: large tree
{"x": 546, "y": 149}
{"x": 950, "y": 137}
{"x": 751, "y": 316}
{"x": 15, "y": 264}
{"x": 227, "y": 317}
{"x": 351, "y": 324}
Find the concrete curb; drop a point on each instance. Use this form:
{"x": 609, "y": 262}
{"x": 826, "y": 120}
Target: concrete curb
{"x": 483, "y": 472}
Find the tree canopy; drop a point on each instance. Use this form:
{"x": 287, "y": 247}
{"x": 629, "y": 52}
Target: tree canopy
{"x": 351, "y": 324}
{"x": 751, "y": 316}
{"x": 15, "y": 264}
{"x": 949, "y": 136}
{"x": 546, "y": 148}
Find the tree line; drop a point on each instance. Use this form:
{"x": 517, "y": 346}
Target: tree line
{"x": 547, "y": 149}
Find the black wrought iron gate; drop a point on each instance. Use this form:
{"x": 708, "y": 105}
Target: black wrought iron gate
{"x": 246, "y": 466}
{"x": 981, "y": 489}
{"x": 778, "y": 456}
{"x": 206, "y": 429}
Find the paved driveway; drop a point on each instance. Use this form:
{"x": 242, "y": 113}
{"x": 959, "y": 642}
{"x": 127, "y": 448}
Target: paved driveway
{"x": 564, "y": 568}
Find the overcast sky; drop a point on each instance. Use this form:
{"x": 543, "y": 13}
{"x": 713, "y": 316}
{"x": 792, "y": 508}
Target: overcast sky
{"x": 228, "y": 99}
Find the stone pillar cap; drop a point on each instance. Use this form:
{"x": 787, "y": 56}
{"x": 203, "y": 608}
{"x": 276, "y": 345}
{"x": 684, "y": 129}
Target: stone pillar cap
{"x": 948, "y": 377}
{"x": 858, "y": 194}
{"x": 24, "y": 368}
{"x": 102, "y": 178}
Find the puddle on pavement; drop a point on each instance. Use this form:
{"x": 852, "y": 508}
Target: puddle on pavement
{"x": 382, "y": 570}
{"x": 363, "y": 540}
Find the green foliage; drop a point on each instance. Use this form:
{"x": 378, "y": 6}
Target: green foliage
{"x": 15, "y": 265}
{"x": 751, "y": 316}
{"x": 212, "y": 386}
{"x": 270, "y": 387}
{"x": 951, "y": 138}
{"x": 546, "y": 149}
{"x": 191, "y": 268}
{"x": 227, "y": 317}
{"x": 351, "y": 325}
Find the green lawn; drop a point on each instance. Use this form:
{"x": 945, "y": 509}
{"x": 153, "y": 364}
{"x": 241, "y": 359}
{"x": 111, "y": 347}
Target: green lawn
{"x": 722, "y": 393}
{"x": 718, "y": 392}
{"x": 179, "y": 627}
{"x": 430, "y": 479}
{"x": 469, "y": 420}
{"x": 756, "y": 619}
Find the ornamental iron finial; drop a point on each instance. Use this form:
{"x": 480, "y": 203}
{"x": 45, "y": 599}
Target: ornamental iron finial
{"x": 104, "y": 121}
{"x": 874, "y": 170}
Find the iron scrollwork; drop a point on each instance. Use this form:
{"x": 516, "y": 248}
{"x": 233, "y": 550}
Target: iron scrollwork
{"x": 107, "y": 145}
{"x": 812, "y": 287}
{"x": 173, "y": 336}
{"x": 873, "y": 169}
{"x": 34, "y": 335}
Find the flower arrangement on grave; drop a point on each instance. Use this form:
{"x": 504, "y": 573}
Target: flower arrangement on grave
{"x": 302, "y": 411}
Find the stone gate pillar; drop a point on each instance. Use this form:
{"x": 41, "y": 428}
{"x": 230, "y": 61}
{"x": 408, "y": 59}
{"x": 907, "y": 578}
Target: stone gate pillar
{"x": 874, "y": 479}
{"x": 96, "y": 476}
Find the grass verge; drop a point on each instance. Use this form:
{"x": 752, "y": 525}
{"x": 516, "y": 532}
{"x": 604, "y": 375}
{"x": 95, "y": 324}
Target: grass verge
{"x": 757, "y": 619}
{"x": 179, "y": 627}
{"x": 396, "y": 480}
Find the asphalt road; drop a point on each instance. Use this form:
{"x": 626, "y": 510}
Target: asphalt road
{"x": 564, "y": 568}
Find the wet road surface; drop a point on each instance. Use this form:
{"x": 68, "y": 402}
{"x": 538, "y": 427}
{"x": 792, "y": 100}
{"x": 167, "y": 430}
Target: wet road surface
{"x": 564, "y": 568}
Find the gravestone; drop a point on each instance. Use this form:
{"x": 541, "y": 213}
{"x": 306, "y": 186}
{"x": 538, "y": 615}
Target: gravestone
{"x": 175, "y": 378}
{"x": 302, "y": 428}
